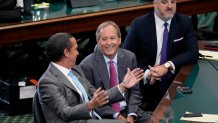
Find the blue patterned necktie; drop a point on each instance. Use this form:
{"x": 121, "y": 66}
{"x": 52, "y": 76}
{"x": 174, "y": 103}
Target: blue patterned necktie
{"x": 82, "y": 89}
{"x": 163, "y": 58}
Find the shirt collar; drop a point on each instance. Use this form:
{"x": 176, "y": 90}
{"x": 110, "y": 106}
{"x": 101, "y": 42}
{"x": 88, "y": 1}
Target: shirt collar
{"x": 114, "y": 59}
{"x": 64, "y": 70}
{"x": 159, "y": 23}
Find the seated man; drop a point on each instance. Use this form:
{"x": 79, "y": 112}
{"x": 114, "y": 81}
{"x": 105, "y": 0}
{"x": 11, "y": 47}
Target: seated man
{"x": 64, "y": 93}
{"x": 107, "y": 66}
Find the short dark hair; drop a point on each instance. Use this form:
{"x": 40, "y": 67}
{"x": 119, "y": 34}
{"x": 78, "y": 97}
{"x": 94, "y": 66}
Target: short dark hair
{"x": 56, "y": 45}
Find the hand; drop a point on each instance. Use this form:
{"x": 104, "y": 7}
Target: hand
{"x": 130, "y": 119}
{"x": 99, "y": 99}
{"x": 151, "y": 78}
{"x": 158, "y": 71}
{"x": 132, "y": 77}
{"x": 122, "y": 118}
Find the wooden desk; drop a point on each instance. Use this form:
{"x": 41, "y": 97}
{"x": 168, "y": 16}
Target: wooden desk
{"x": 36, "y": 30}
{"x": 201, "y": 78}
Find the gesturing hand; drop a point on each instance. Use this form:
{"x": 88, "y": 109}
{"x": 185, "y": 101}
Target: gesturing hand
{"x": 132, "y": 77}
{"x": 99, "y": 99}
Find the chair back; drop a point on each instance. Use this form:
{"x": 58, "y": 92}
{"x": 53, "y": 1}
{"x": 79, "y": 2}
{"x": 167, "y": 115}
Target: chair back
{"x": 37, "y": 110}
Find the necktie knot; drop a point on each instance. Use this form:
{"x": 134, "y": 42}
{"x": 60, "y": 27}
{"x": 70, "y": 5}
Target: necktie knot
{"x": 165, "y": 24}
{"x": 111, "y": 62}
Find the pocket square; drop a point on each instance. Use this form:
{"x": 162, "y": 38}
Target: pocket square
{"x": 179, "y": 39}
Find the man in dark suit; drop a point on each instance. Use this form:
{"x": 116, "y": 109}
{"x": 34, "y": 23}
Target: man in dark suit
{"x": 64, "y": 93}
{"x": 96, "y": 68}
{"x": 163, "y": 42}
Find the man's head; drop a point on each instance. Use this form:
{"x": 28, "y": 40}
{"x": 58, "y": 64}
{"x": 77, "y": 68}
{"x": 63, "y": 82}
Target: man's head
{"x": 62, "y": 47}
{"x": 165, "y": 9}
{"x": 108, "y": 37}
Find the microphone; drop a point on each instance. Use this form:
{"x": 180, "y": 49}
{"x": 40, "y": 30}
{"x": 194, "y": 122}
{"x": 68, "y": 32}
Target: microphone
{"x": 200, "y": 55}
{"x": 203, "y": 56}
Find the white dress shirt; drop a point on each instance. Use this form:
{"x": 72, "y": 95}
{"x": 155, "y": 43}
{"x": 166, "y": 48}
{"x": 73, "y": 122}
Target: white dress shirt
{"x": 159, "y": 33}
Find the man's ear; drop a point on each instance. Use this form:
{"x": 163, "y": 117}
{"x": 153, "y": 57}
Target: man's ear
{"x": 66, "y": 53}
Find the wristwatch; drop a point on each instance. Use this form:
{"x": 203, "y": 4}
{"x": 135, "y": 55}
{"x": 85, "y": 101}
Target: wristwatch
{"x": 167, "y": 65}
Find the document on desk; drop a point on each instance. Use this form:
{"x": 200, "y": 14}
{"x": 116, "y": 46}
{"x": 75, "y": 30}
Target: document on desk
{"x": 206, "y": 118}
{"x": 211, "y": 55}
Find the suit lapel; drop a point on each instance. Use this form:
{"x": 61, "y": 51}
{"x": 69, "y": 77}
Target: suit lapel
{"x": 82, "y": 81}
{"x": 172, "y": 33}
{"x": 62, "y": 78}
{"x": 152, "y": 36}
{"x": 101, "y": 68}
{"x": 121, "y": 65}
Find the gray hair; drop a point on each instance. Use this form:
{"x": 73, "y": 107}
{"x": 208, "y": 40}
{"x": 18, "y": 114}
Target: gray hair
{"x": 103, "y": 25}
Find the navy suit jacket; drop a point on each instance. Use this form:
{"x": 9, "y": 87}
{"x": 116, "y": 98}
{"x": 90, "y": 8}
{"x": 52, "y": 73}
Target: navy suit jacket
{"x": 182, "y": 45}
{"x": 95, "y": 70}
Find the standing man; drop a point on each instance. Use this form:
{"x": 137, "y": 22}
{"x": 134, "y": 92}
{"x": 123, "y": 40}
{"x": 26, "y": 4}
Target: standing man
{"x": 65, "y": 94}
{"x": 163, "y": 42}
{"x": 107, "y": 66}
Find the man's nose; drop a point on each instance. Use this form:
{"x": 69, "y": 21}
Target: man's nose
{"x": 169, "y": 4}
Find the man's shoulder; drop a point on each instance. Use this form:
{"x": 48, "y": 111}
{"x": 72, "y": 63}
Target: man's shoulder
{"x": 144, "y": 17}
{"x": 88, "y": 58}
{"x": 126, "y": 53}
{"x": 182, "y": 18}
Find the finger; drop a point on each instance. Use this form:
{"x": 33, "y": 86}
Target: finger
{"x": 128, "y": 70}
{"x": 152, "y": 81}
{"x": 157, "y": 78}
{"x": 139, "y": 76}
{"x": 97, "y": 91}
{"x": 102, "y": 96}
{"x": 135, "y": 70}
{"x": 149, "y": 66}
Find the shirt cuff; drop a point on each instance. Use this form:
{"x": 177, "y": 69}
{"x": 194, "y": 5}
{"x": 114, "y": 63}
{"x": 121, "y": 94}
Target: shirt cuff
{"x": 133, "y": 114}
{"x": 173, "y": 67}
{"x": 115, "y": 115}
{"x": 120, "y": 91}
{"x": 145, "y": 76}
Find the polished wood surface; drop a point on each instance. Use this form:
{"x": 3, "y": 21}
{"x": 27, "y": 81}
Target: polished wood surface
{"x": 87, "y": 22}
{"x": 169, "y": 96}
{"x": 180, "y": 78}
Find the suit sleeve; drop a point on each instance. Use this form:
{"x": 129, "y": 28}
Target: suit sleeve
{"x": 114, "y": 96}
{"x": 189, "y": 53}
{"x": 135, "y": 96}
{"x": 52, "y": 96}
{"x": 132, "y": 41}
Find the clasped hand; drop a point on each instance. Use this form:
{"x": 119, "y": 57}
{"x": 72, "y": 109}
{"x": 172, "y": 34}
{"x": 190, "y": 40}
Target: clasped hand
{"x": 156, "y": 73}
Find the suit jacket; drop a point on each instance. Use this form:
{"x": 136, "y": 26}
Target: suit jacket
{"x": 95, "y": 70}
{"x": 60, "y": 101}
{"x": 182, "y": 45}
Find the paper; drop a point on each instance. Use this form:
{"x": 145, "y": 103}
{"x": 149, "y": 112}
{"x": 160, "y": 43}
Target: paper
{"x": 211, "y": 55}
{"x": 207, "y": 118}
{"x": 27, "y": 92}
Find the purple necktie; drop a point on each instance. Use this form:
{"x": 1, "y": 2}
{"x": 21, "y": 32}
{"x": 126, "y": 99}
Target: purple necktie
{"x": 113, "y": 82}
{"x": 163, "y": 58}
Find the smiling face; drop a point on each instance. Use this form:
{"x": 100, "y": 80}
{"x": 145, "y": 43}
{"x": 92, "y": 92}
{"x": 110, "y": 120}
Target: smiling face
{"x": 109, "y": 40}
{"x": 165, "y": 9}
